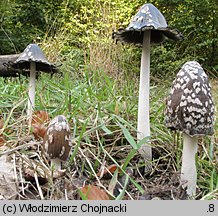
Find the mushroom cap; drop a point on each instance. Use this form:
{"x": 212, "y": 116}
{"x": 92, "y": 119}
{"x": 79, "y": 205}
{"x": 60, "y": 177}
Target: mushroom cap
{"x": 33, "y": 53}
{"x": 190, "y": 107}
{"x": 57, "y": 139}
{"x": 147, "y": 18}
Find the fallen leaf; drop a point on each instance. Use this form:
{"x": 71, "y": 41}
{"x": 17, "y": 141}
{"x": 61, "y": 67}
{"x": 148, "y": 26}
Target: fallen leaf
{"x": 110, "y": 169}
{"x": 1, "y": 123}
{"x": 8, "y": 189}
{"x": 39, "y": 131}
{"x": 39, "y": 123}
{"x": 40, "y": 117}
{"x": 94, "y": 193}
{"x": 2, "y": 140}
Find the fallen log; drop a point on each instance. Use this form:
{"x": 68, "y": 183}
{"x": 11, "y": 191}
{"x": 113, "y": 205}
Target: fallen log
{"x": 5, "y": 65}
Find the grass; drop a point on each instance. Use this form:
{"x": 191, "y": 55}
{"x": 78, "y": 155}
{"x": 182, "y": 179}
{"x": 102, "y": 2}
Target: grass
{"x": 102, "y": 110}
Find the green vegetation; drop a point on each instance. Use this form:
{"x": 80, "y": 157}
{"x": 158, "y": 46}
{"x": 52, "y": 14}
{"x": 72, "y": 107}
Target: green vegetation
{"x": 98, "y": 87}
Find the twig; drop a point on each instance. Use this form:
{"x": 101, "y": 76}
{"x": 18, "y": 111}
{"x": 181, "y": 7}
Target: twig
{"x": 21, "y": 180}
{"x": 18, "y": 148}
{"x": 65, "y": 192}
{"x": 15, "y": 172}
{"x": 37, "y": 183}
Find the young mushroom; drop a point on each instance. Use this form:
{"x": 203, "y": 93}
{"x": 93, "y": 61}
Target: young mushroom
{"x": 147, "y": 26}
{"x": 190, "y": 109}
{"x": 31, "y": 60}
{"x": 57, "y": 141}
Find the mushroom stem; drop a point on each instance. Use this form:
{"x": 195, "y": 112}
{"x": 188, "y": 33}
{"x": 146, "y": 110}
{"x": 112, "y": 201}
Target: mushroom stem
{"x": 32, "y": 87}
{"x": 188, "y": 170}
{"x": 143, "y": 104}
{"x": 56, "y": 163}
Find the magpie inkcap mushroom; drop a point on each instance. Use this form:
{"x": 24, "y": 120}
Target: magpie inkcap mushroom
{"x": 57, "y": 141}
{"x": 147, "y": 26}
{"x": 190, "y": 109}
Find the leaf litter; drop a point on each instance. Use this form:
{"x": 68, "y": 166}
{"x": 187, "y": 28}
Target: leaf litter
{"x": 31, "y": 176}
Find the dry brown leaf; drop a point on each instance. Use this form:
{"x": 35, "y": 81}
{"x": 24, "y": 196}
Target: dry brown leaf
{"x": 8, "y": 189}
{"x": 2, "y": 140}
{"x": 39, "y": 131}
{"x": 94, "y": 193}
{"x": 40, "y": 117}
{"x": 110, "y": 169}
{"x": 1, "y": 123}
{"x": 39, "y": 123}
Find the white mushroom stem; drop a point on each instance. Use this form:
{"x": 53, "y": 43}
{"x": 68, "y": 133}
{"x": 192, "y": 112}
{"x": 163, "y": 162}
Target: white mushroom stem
{"x": 143, "y": 104}
{"x": 32, "y": 87}
{"x": 188, "y": 170}
{"x": 56, "y": 163}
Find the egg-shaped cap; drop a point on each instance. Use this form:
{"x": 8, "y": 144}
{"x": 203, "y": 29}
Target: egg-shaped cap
{"x": 33, "y": 53}
{"x": 190, "y": 107}
{"x": 57, "y": 140}
{"x": 147, "y": 18}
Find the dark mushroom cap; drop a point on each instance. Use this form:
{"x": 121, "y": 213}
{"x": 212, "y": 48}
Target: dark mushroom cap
{"x": 33, "y": 53}
{"x": 190, "y": 107}
{"x": 147, "y": 18}
{"x": 57, "y": 140}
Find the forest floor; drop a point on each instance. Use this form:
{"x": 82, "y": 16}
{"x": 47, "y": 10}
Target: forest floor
{"x": 102, "y": 114}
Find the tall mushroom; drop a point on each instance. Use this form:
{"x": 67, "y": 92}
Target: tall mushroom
{"x": 147, "y": 26}
{"x": 57, "y": 141}
{"x": 31, "y": 60}
{"x": 190, "y": 109}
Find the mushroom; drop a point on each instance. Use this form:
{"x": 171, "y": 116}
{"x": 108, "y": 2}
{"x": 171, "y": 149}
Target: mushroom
{"x": 32, "y": 59}
{"x": 147, "y": 26}
{"x": 190, "y": 109}
{"x": 57, "y": 141}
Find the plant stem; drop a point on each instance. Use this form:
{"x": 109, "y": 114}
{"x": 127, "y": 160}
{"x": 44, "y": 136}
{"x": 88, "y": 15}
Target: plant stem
{"x": 32, "y": 86}
{"x": 143, "y": 104}
{"x": 188, "y": 170}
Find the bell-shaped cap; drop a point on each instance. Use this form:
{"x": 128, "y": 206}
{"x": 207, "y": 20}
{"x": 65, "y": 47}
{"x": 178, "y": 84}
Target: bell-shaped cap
{"x": 33, "y": 53}
{"x": 190, "y": 107}
{"x": 147, "y": 18}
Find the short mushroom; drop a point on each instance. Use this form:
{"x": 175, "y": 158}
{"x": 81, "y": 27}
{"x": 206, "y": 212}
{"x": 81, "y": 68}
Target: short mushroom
{"x": 190, "y": 109}
{"x": 57, "y": 141}
{"x": 147, "y": 26}
{"x": 32, "y": 59}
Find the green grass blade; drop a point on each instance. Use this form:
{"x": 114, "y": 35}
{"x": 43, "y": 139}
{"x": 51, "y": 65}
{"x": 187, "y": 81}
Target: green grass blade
{"x": 122, "y": 193}
{"x": 128, "y": 136}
